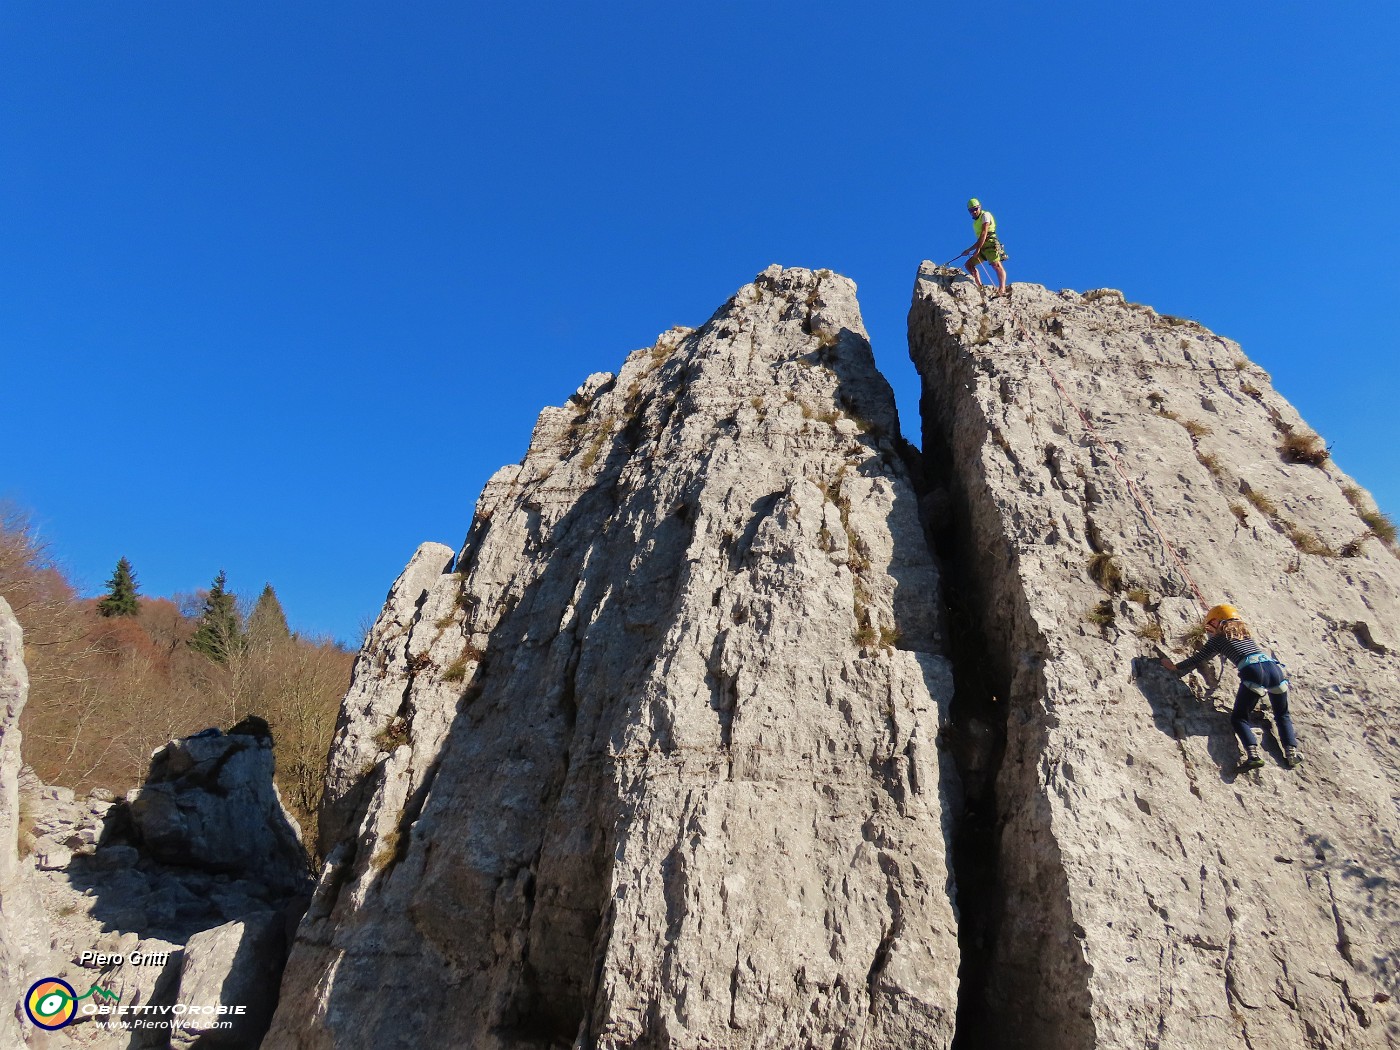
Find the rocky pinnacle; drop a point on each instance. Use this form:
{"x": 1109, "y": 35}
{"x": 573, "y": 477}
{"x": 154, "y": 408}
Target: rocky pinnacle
{"x": 653, "y": 760}
{"x": 1101, "y": 464}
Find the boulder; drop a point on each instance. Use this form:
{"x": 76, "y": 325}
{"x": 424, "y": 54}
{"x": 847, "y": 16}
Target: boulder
{"x": 229, "y": 975}
{"x": 209, "y": 802}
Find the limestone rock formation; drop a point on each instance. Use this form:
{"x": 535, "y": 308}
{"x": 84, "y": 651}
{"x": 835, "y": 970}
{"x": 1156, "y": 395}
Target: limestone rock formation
{"x": 209, "y": 802}
{"x": 1148, "y": 893}
{"x": 239, "y": 963}
{"x": 665, "y": 755}
{"x": 83, "y": 904}
{"x": 654, "y": 760}
{"x": 14, "y": 690}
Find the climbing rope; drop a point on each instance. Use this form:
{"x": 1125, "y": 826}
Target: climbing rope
{"x": 1117, "y": 463}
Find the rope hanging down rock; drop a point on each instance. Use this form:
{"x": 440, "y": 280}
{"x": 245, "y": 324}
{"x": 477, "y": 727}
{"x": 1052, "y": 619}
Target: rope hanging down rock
{"x": 1113, "y": 458}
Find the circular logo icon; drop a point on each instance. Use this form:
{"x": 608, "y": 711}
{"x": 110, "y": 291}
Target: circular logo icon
{"x": 51, "y": 1003}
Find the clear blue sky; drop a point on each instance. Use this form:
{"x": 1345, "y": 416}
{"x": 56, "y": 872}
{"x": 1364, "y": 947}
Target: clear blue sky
{"x": 281, "y": 284}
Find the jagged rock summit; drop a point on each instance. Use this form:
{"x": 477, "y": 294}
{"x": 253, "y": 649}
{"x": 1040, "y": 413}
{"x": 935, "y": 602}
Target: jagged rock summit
{"x": 1101, "y": 464}
{"x": 653, "y": 760}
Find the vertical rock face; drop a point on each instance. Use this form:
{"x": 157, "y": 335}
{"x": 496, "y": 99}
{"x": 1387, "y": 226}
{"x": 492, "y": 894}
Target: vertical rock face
{"x": 14, "y": 690}
{"x": 653, "y": 761}
{"x": 1150, "y": 895}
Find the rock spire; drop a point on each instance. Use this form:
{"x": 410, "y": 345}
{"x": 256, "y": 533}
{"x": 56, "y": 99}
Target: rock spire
{"x": 1101, "y": 463}
{"x": 653, "y": 759}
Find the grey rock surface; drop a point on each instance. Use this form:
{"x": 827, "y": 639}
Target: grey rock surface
{"x": 210, "y": 802}
{"x": 14, "y": 691}
{"x": 653, "y": 761}
{"x": 382, "y": 675}
{"x": 1149, "y": 894}
{"x": 88, "y": 907}
{"x": 235, "y": 965}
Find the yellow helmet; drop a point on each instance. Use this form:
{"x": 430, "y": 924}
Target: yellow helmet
{"x": 1221, "y": 613}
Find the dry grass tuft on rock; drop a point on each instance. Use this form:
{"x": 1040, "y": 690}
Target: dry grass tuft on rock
{"x": 392, "y": 735}
{"x": 1302, "y": 447}
{"x": 1309, "y": 543}
{"x": 1101, "y": 615}
{"x": 1211, "y": 462}
{"x": 1194, "y": 637}
{"x": 388, "y": 849}
{"x": 1381, "y": 526}
{"x": 1104, "y": 571}
{"x": 1262, "y": 503}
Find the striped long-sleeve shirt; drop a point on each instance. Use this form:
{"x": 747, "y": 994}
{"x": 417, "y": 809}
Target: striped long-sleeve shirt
{"x": 1219, "y": 645}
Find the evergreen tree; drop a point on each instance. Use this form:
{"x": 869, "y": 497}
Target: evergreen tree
{"x": 120, "y": 599}
{"x": 267, "y": 623}
{"x": 218, "y": 634}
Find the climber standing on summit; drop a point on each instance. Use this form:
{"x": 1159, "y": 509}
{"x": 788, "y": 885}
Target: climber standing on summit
{"x": 1260, "y": 675}
{"x": 987, "y": 248}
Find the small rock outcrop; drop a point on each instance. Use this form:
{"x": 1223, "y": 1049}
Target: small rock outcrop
{"x": 209, "y": 802}
{"x": 1101, "y": 463}
{"x": 145, "y": 901}
{"x": 654, "y": 761}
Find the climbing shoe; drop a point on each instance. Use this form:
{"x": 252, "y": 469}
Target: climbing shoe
{"x": 1252, "y": 760}
{"x": 1293, "y": 757}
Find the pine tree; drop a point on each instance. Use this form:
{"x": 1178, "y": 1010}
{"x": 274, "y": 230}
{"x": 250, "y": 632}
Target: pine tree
{"x": 267, "y": 623}
{"x": 218, "y": 634}
{"x": 120, "y": 599}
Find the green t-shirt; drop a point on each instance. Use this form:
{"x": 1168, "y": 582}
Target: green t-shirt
{"x": 984, "y": 218}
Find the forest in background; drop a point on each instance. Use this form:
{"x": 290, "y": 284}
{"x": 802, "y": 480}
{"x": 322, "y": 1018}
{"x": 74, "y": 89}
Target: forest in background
{"x": 112, "y": 679}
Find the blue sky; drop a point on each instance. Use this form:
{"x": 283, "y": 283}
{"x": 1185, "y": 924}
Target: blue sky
{"x": 282, "y": 284}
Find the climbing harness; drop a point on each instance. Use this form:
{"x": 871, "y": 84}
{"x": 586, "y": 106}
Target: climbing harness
{"x": 1113, "y": 458}
{"x": 1263, "y": 690}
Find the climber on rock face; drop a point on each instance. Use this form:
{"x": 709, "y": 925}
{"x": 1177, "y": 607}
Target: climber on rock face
{"x": 987, "y": 248}
{"x": 1260, "y": 675}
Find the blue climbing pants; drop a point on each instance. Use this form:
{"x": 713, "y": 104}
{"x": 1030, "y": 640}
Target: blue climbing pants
{"x": 1256, "y": 680}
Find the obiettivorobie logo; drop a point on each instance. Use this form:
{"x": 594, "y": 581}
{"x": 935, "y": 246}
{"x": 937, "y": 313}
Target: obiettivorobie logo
{"x": 51, "y": 1003}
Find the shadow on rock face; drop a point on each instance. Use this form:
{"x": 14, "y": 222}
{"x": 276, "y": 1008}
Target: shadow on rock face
{"x": 209, "y": 803}
{"x": 186, "y": 892}
{"x": 1178, "y": 713}
{"x": 203, "y": 842}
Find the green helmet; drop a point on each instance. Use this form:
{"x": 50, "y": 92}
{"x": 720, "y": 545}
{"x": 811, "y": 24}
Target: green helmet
{"x": 973, "y": 202}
